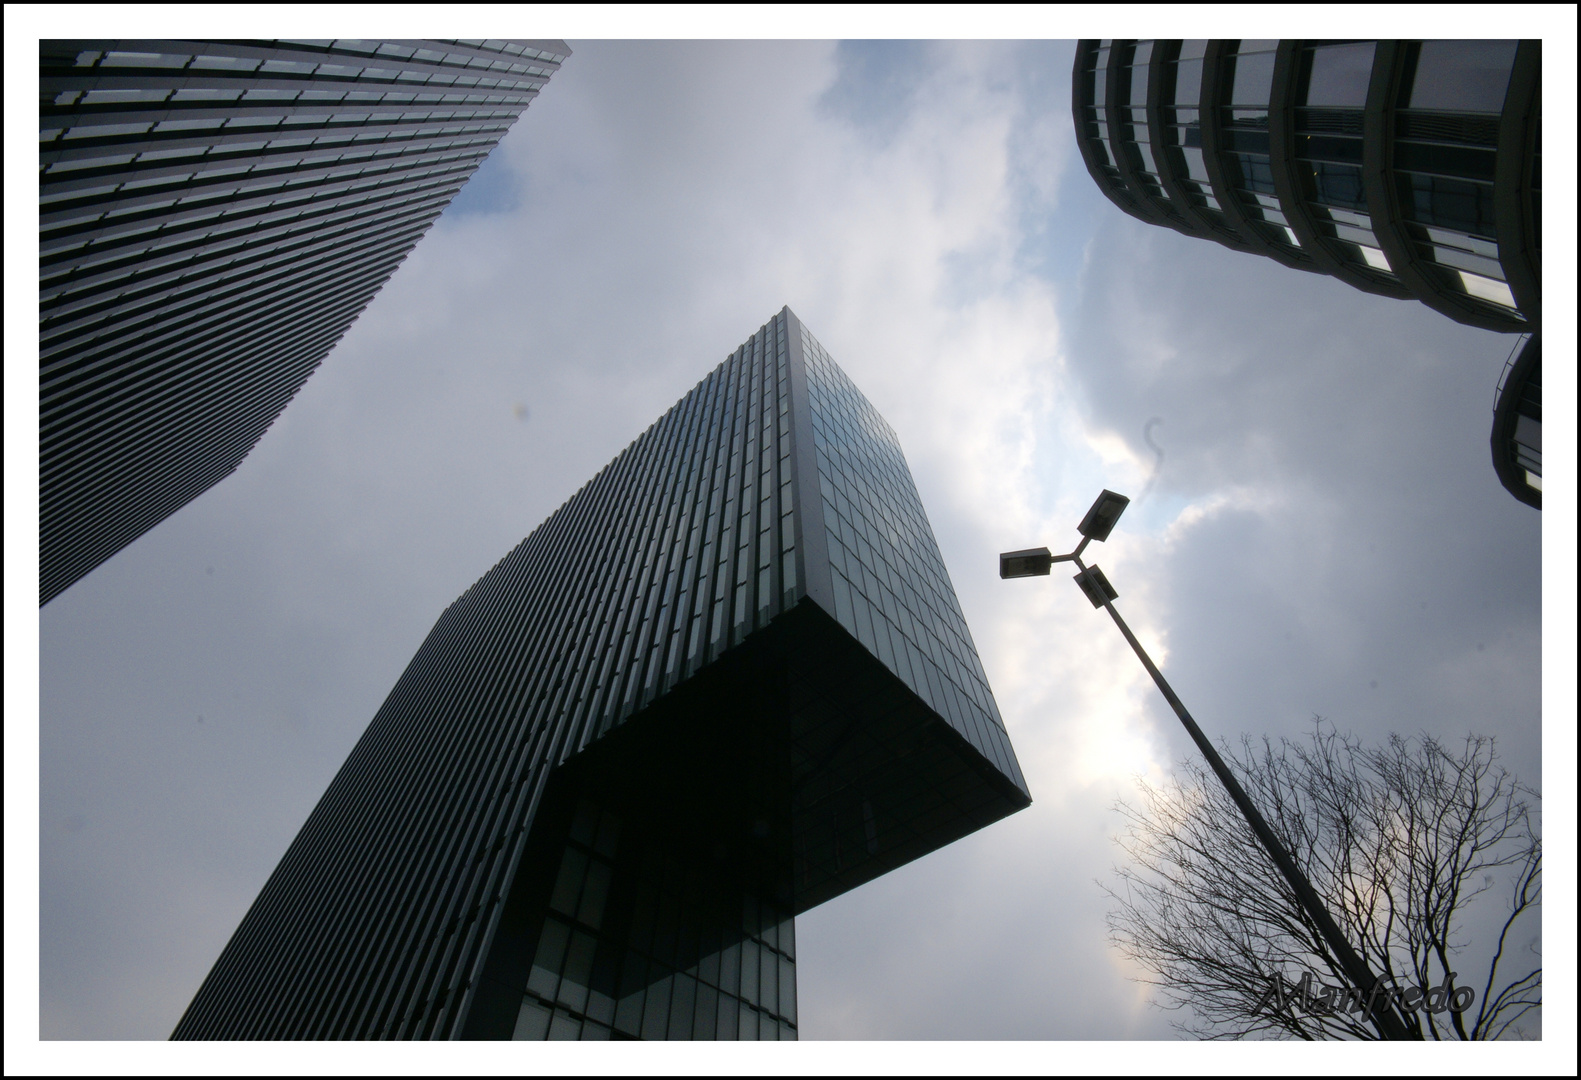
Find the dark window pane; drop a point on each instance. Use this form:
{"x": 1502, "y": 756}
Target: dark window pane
{"x": 583, "y": 826}
{"x": 769, "y": 980}
{"x": 1452, "y": 204}
{"x": 705, "y": 1021}
{"x": 591, "y": 909}
{"x": 1337, "y": 185}
{"x": 628, "y": 1010}
{"x": 788, "y": 990}
{"x": 1251, "y": 173}
{"x": 682, "y": 1002}
{"x": 728, "y": 1022}
{"x": 1254, "y": 142}
{"x": 656, "y": 1017}
{"x": 1465, "y": 162}
{"x": 545, "y": 975}
{"x": 578, "y": 970}
{"x": 749, "y": 970}
{"x": 1328, "y": 148}
{"x": 730, "y": 968}
{"x": 569, "y": 883}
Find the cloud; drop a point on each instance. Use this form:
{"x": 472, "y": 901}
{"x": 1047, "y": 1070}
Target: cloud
{"x": 1327, "y": 479}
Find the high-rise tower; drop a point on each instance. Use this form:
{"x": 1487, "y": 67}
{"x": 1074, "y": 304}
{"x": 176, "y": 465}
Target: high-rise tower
{"x": 725, "y": 682}
{"x": 213, "y": 215}
{"x": 1409, "y": 169}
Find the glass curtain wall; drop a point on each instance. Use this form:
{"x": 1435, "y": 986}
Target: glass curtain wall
{"x": 1331, "y": 95}
{"x": 1446, "y": 127}
{"x": 1249, "y": 73}
{"x": 1182, "y": 97}
{"x": 1132, "y": 112}
{"x": 1096, "y": 77}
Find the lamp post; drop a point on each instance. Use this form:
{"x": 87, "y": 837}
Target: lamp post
{"x": 1038, "y": 562}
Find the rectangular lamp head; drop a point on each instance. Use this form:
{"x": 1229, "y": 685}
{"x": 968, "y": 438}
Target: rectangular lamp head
{"x": 1033, "y": 562}
{"x": 1104, "y": 513}
{"x": 1096, "y": 586}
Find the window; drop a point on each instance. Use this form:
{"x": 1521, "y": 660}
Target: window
{"x": 1461, "y": 76}
{"x": 1337, "y": 76}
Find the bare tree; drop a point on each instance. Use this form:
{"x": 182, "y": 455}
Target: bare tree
{"x": 1407, "y": 843}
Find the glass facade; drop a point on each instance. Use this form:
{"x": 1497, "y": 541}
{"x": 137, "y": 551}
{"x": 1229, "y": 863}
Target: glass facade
{"x": 1332, "y": 91}
{"x": 1181, "y": 95}
{"x": 890, "y": 586}
{"x": 1517, "y": 438}
{"x": 726, "y": 681}
{"x": 1248, "y": 71}
{"x": 1405, "y": 168}
{"x": 684, "y": 954}
{"x": 1446, "y": 151}
{"x": 212, "y": 217}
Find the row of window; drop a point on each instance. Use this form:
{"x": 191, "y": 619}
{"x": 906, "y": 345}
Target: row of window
{"x": 898, "y": 552}
{"x": 256, "y": 95}
{"x": 890, "y": 586}
{"x": 1443, "y": 153}
{"x": 205, "y": 253}
{"x": 413, "y": 60}
{"x": 696, "y": 959}
{"x": 708, "y": 545}
{"x": 128, "y": 204}
{"x": 164, "y": 251}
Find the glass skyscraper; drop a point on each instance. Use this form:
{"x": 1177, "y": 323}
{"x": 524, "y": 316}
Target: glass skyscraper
{"x": 1409, "y": 169}
{"x": 726, "y": 681}
{"x": 213, "y": 215}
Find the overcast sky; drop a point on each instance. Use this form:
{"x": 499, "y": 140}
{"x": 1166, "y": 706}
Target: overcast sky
{"x": 1316, "y": 525}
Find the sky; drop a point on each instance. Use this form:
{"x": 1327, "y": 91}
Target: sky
{"x": 1316, "y": 528}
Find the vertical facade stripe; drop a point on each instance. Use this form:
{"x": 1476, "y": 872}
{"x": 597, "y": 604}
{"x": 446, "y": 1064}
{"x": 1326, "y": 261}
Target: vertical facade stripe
{"x": 212, "y": 217}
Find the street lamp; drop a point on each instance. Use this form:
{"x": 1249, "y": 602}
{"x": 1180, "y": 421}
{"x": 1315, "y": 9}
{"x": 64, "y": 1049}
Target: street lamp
{"x": 1039, "y": 562}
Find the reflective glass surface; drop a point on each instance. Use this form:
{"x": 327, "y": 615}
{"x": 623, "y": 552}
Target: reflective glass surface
{"x": 890, "y": 585}
{"x": 1445, "y": 156}
{"x": 1328, "y": 148}
{"x": 685, "y": 954}
{"x": 1249, "y": 72}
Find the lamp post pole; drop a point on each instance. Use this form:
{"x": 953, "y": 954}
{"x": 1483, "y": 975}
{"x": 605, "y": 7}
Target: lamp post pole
{"x": 1099, "y": 520}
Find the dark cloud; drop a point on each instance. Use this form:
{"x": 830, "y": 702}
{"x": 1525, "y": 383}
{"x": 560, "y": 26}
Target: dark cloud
{"x": 1364, "y": 538}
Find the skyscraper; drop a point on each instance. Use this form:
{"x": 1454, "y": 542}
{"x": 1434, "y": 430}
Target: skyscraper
{"x": 213, "y": 215}
{"x": 726, "y": 681}
{"x": 1409, "y": 169}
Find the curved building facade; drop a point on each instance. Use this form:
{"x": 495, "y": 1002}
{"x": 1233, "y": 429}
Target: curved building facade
{"x": 1518, "y": 424}
{"x": 1404, "y": 168}
{"x": 213, "y": 215}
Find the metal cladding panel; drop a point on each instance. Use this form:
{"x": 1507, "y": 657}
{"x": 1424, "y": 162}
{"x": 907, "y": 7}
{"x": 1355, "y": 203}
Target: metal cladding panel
{"x": 213, "y": 215}
{"x": 650, "y": 656}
